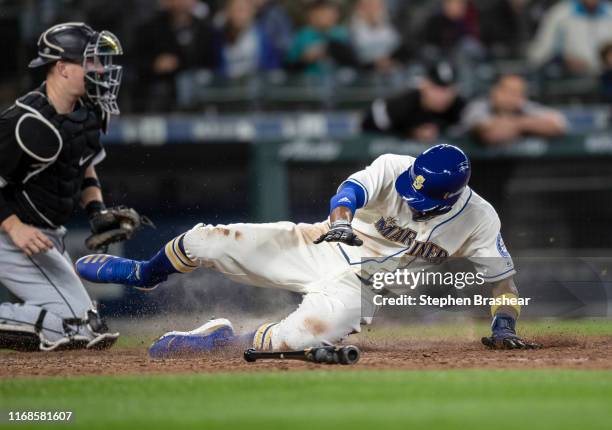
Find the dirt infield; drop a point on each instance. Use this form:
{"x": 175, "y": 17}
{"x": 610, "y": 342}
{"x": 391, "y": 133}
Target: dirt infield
{"x": 593, "y": 352}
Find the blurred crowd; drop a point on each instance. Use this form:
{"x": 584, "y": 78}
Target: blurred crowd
{"x": 435, "y": 107}
{"x": 237, "y": 39}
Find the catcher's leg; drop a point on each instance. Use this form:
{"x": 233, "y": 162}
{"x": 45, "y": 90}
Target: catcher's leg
{"x": 56, "y": 308}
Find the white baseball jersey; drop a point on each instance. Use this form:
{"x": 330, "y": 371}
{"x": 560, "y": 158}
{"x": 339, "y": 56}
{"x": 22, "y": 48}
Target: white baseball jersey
{"x": 471, "y": 229}
{"x": 283, "y": 255}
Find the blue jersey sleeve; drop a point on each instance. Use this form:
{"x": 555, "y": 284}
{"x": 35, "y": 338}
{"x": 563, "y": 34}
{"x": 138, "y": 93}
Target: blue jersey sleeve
{"x": 349, "y": 195}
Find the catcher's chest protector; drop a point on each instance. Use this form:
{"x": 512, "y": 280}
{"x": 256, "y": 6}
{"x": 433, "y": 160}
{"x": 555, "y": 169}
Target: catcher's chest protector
{"x": 49, "y": 191}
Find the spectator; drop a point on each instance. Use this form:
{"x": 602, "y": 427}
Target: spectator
{"x": 573, "y": 31}
{"x": 507, "y": 114}
{"x": 504, "y": 27}
{"x": 177, "y": 38}
{"x": 422, "y": 113}
{"x": 243, "y": 46}
{"x": 276, "y": 23}
{"x": 606, "y": 75}
{"x": 322, "y": 42}
{"x": 452, "y": 30}
{"x": 374, "y": 38}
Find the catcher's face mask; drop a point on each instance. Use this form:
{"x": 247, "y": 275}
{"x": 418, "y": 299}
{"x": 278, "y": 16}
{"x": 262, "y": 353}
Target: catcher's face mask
{"x": 102, "y": 77}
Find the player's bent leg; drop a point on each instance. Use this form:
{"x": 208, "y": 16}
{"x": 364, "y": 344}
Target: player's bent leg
{"x": 323, "y": 318}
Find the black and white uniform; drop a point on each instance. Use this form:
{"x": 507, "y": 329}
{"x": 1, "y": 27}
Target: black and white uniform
{"x": 43, "y": 158}
{"x": 402, "y": 114}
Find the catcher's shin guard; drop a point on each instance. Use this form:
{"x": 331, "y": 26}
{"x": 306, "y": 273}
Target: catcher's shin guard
{"x": 28, "y": 338}
{"x": 22, "y": 337}
{"x": 18, "y": 338}
{"x": 103, "y": 338}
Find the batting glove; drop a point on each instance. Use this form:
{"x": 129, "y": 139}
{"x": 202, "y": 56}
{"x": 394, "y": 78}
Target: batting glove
{"x": 504, "y": 335}
{"x": 341, "y": 231}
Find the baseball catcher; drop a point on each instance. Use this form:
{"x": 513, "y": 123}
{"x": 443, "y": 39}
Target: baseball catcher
{"x": 419, "y": 210}
{"x": 49, "y": 149}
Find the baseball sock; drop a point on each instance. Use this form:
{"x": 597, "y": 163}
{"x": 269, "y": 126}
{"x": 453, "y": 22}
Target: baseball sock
{"x": 262, "y": 337}
{"x": 172, "y": 258}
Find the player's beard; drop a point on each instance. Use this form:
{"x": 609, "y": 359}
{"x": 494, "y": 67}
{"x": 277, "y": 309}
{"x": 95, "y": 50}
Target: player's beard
{"x": 422, "y": 216}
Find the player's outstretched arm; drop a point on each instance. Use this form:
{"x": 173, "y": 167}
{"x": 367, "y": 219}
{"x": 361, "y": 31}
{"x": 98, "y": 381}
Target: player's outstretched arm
{"x": 342, "y": 208}
{"x": 503, "y": 328}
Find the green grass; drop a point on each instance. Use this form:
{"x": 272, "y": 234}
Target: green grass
{"x": 465, "y": 329}
{"x": 469, "y": 329}
{"x": 474, "y": 399}
{"x": 454, "y": 399}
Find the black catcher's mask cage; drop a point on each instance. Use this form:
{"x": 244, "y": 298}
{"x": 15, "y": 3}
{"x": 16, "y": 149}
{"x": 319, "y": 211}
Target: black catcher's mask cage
{"x": 102, "y": 77}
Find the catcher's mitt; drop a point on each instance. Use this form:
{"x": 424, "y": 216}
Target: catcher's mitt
{"x": 114, "y": 225}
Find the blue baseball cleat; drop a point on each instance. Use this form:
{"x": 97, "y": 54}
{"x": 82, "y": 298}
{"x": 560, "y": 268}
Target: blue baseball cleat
{"x": 212, "y": 336}
{"x": 109, "y": 269}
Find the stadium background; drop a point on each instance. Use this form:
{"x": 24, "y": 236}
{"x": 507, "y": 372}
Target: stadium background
{"x": 274, "y": 145}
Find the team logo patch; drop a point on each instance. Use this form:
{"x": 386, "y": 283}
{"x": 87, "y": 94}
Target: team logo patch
{"x": 501, "y": 246}
{"x": 418, "y": 182}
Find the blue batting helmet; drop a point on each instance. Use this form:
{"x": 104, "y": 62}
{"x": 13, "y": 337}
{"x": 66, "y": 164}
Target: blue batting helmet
{"x": 435, "y": 180}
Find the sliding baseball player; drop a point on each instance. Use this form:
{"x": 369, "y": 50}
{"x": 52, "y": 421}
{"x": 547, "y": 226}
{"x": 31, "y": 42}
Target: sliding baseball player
{"x": 409, "y": 211}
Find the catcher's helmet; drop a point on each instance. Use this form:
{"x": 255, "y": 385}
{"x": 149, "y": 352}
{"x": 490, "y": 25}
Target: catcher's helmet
{"x": 435, "y": 181}
{"x": 65, "y": 41}
{"x": 79, "y": 43}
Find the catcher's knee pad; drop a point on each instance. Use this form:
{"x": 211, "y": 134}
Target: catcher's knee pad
{"x": 18, "y": 338}
{"x": 31, "y": 337}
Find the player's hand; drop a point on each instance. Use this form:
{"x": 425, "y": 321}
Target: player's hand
{"x": 29, "y": 239}
{"x": 504, "y": 336}
{"x": 508, "y": 340}
{"x": 341, "y": 231}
